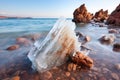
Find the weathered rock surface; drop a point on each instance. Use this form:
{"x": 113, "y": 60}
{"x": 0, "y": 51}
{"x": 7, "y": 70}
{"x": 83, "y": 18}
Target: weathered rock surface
{"x": 82, "y": 60}
{"x": 81, "y": 15}
{"x": 101, "y": 15}
{"x": 114, "y": 18}
{"x": 13, "y": 47}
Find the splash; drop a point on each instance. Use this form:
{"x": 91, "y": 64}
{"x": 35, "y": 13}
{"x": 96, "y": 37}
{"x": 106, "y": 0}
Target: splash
{"x": 60, "y": 42}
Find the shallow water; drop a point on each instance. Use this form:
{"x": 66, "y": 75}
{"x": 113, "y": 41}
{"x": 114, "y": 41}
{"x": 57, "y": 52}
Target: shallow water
{"x": 103, "y": 55}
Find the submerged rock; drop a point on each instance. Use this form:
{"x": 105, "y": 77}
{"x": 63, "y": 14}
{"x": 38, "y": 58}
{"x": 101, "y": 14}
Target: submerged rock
{"x": 81, "y": 15}
{"x": 13, "y": 47}
{"x": 101, "y": 15}
{"x": 116, "y": 47}
{"x": 22, "y": 40}
{"x": 117, "y": 66}
{"x": 107, "y": 39}
{"x": 114, "y": 18}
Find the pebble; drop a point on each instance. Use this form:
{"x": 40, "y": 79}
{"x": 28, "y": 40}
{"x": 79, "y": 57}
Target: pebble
{"x": 72, "y": 78}
{"x": 105, "y": 70}
{"x": 102, "y": 78}
{"x": 115, "y": 76}
{"x": 15, "y": 78}
{"x": 47, "y": 75}
{"x": 13, "y": 47}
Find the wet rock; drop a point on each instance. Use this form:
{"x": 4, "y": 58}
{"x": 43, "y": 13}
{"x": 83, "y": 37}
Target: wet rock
{"x": 115, "y": 76}
{"x": 117, "y": 66}
{"x": 81, "y": 15}
{"x": 58, "y": 78}
{"x": 22, "y": 40}
{"x": 72, "y": 78}
{"x": 108, "y": 39}
{"x": 15, "y": 78}
{"x": 101, "y": 15}
{"x": 13, "y": 47}
{"x": 116, "y": 47}
{"x": 113, "y": 31}
{"x": 82, "y": 60}
{"x": 67, "y": 74}
{"x": 72, "y": 67}
{"x": 114, "y": 18}
{"x": 87, "y": 38}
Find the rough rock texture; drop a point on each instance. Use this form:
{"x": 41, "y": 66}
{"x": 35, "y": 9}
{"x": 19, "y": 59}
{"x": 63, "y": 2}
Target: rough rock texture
{"x": 81, "y": 15}
{"x": 101, "y": 15}
{"x": 114, "y": 18}
{"x": 82, "y": 60}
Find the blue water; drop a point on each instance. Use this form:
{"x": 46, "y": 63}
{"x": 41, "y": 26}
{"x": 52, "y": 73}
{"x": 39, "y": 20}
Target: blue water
{"x": 26, "y": 25}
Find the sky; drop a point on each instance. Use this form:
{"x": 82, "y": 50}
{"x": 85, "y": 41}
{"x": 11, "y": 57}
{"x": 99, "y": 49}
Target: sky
{"x": 52, "y": 8}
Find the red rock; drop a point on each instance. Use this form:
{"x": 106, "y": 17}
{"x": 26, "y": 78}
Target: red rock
{"x": 82, "y": 60}
{"x": 101, "y": 15}
{"x": 71, "y": 67}
{"x": 13, "y": 47}
{"x": 47, "y": 75}
{"x": 114, "y": 18}
{"x": 81, "y": 15}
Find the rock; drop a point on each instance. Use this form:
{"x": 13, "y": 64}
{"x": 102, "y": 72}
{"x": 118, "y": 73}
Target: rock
{"x": 101, "y": 15}
{"x": 72, "y": 78}
{"x": 87, "y": 38}
{"x": 116, "y": 47}
{"x": 114, "y": 18}
{"x": 113, "y": 31}
{"x": 105, "y": 70}
{"x": 67, "y": 74}
{"x": 108, "y": 39}
{"x": 95, "y": 69}
{"x": 115, "y": 76}
{"x": 82, "y": 60}
{"x": 15, "y": 78}
{"x": 71, "y": 67}
{"x": 22, "y": 40}
{"x": 117, "y": 66}
{"x": 13, "y": 47}
{"x": 81, "y": 15}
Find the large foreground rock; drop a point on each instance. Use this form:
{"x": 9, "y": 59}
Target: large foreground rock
{"x": 114, "y": 18}
{"x": 101, "y": 15}
{"x": 81, "y": 15}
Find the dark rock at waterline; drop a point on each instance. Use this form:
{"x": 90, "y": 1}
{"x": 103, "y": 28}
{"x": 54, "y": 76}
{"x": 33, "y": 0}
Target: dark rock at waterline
{"x": 13, "y": 47}
{"x": 107, "y": 39}
{"x": 113, "y": 31}
{"x": 81, "y": 15}
{"x": 114, "y": 18}
{"x": 116, "y": 47}
{"x": 101, "y": 15}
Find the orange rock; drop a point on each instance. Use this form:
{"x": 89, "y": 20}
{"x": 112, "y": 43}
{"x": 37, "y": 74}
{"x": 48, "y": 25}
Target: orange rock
{"x": 71, "y": 67}
{"x": 82, "y": 60}
{"x": 47, "y": 75}
{"x": 87, "y": 38}
{"x": 101, "y": 15}
{"x": 114, "y": 18}
{"x": 13, "y": 47}
{"x": 81, "y": 15}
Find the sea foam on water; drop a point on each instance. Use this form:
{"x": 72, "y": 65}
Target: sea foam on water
{"x": 60, "y": 42}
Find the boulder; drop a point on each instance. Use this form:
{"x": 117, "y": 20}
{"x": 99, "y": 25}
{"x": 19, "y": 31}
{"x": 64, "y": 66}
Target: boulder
{"x": 13, "y": 47}
{"x": 101, "y": 15}
{"x": 107, "y": 39}
{"x": 81, "y": 15}
{"x": 82, "y": 60}
{"x": 114, "y": 18}
{"x": 116, "y": 47}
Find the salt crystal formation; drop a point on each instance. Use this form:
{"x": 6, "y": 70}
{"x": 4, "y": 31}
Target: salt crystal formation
{"x": 60, "y": 42}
